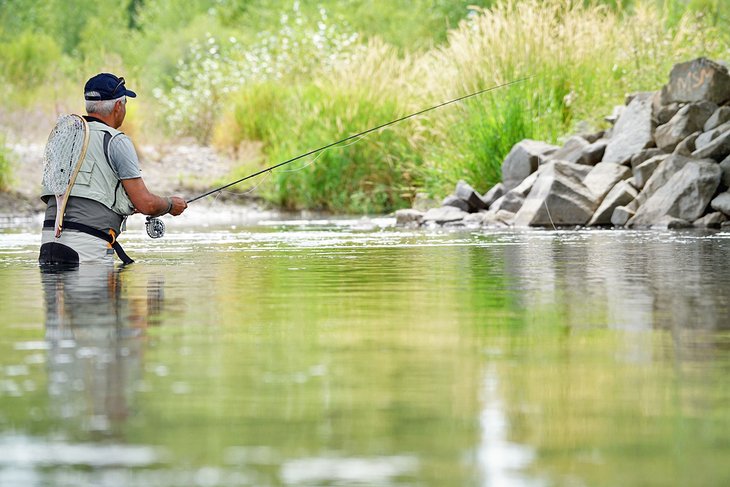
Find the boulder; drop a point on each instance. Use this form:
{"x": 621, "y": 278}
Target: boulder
{"x": 557, "y": 197}
{"x": 718, "y": 118}
{"x": 721, "y": 202}
{"x": 644, "y": 155}
{"x": 621, "y": 215}
{"x": 593, "y": 154}
{"x": 603, "y": 177}
{"x": 513, "y": 199}
{"x": 618, "y": 110}
{"x": 663, "y": 172}
{"x": 571, "y": 151}
{"x": 697, "y": 80}
{"x": 408, "y": 217}
{"x": 443, "y": 215}
{"x": 718, "y": 149}
{"x": 706, "y": 137}
{"x": 689, "y": 119}
{"x": 632, "y": 132}
{"x": 456, "y": 202}
{"x": 711, "y": 220}
{"x": 668, "y": 222}
{"x": 643, "y": 171}
{"x": 493, "y": 194}
{"x": 593, "y": 137}
{"x": 523, "y": 160}
{"x": 663, "y": 113}
{"x": 687, "y": 146}
{"x": 685, "y": 195}
{"x": 621, "y": 194}
{"x": 466, "y": 192}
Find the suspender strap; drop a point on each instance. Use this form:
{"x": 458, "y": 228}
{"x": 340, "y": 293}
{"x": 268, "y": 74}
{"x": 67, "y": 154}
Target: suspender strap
{"x": 95, "y": 233}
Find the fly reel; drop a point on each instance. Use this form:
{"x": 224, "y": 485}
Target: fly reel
{"x": 155, "y": 227}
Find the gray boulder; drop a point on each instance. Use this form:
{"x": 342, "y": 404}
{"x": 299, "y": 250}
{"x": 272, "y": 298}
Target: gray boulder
{"x": 603, "y": 177}
{"x": 557, "y": 197}
{"x": 571, "y": 151}
{"x": 632, "y": 132}
{"x": 644, "y": 155}
{"x": 689, "y": 119}
{"x": 466, "y": 192}
{"x": 711, "y": 220}
{"x": 621, "y": 194}
{"x": 718, "y": 118}
{"x": 443, "y": 215}
{"x": 523, "y": 160}
{"x": 408, "y": 217}
{"x": 593, "y": 154}
{"x": 621, "y": 215}
{"x": 513, "y": 199}
{"x": 687, "y": 146}
{"x": 685, "y": 195}
{"x": 493, "y": 194}
{"x": 456, "y": 202}
{"x": 663, "y": 172}
{"x": 643, "y": 171}
{"x": 707, "y": 137}
{"x": 721, "y": 203}
{"x": 697, "y": 80}
{"x": 718, "y": 149}
{"x": 668, "y": 222}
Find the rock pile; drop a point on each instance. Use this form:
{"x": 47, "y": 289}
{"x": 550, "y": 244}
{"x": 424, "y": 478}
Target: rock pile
{"x": 664, "y": 163}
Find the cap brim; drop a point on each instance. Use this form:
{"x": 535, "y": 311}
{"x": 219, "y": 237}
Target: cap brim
{"x": 130, "y": 93}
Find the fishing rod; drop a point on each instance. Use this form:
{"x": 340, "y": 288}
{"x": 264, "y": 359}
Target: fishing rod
{"x": 156, "y": 229}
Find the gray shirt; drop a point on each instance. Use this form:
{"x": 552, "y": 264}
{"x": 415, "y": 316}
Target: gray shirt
{"x": 123, "y": 159}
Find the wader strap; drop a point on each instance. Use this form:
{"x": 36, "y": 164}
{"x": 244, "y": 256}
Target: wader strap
{"x": 95, "y": 233}
{"x": 107, "y": 139}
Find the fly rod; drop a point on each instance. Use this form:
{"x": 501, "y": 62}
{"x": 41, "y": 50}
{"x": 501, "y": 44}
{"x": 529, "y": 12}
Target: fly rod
{"x": 262, "y": 171}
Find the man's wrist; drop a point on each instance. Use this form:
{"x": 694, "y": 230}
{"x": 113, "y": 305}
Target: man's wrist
{"x": 169, "y": 205}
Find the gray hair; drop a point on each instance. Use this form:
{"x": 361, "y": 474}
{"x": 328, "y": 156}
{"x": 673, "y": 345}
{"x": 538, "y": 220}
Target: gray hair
{"x": 102, "y": 107}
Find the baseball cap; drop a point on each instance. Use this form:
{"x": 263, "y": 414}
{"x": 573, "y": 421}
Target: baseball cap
{"x": 106, "y": 87}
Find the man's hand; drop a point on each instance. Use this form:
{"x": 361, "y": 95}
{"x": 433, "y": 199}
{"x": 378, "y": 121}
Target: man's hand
{"x": 178, "y": 205}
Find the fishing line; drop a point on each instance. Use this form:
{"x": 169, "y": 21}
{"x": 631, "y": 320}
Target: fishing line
{"x": 355, "y": 136}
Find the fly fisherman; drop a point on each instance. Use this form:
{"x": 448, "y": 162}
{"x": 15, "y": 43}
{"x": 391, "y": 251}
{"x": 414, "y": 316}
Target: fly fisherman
{"x": 108, "y": 188}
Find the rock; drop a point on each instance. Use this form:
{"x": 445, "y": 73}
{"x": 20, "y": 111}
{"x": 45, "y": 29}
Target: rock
{"x": 718, "y": 149}
{"x": 621, "y": 215}
{"x": 711, "y": 220}
{"x": 593, "y": 154}
{"x": 721, "y": 202}
{"x": 663, "y": 172}
{"x": 523, "y": 160}
{"x": 632, "y": 132}
{"x": 513, "y": 199}
{"x": 408, "y": 217}
{"x": 685, "y": 195}
{"x": 689, "y": 119}
{"x": 663, "y": 113}
{"x": 603, "y": 177}
{"x": 621, "y": 194}
{"x": 718, "y": 118}
{"x": 465, "y": 192}
{"x": 698, "y": 80}
{"x": 705, "y": 138}
{"x": 668, "y": 222}
{"x": 643, "y": 171}
{"x": 558, "y": 197}
{"x": 594, "y": 137}
{"x": 571, "y": 151}
{"x": 477, "y": 218}
{"x": 444, "y": 214}
{"x": 456, "y": 202}
{"x": 725, "y": 166}
{"x": 497, "y": 191}
{"x": 644, "y": 155}
{"x": 687, "y": 146}
{"x": 504, "y": 216}
{"x": 615, "y": 114}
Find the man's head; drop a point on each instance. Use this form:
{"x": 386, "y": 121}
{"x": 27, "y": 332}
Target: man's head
{"x": 106, "y": 97}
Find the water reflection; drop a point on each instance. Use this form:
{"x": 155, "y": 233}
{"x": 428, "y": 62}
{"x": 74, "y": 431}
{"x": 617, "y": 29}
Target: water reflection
{"x": 95, "y": 346}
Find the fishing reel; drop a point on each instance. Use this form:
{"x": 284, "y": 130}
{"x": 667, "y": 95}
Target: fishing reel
{"x": 155, "y": 227}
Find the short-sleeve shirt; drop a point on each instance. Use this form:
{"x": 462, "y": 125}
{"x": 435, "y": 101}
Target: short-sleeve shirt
{"x": 123, "y": 159}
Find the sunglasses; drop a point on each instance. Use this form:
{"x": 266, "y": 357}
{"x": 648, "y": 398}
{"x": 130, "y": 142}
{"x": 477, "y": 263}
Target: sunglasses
{"x": 121, "y": 83}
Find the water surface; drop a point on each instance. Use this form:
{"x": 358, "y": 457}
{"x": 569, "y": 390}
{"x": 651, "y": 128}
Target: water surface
{"x": 347, "y": 352}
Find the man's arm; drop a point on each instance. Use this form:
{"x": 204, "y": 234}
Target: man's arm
{"x": 149, "y": 203}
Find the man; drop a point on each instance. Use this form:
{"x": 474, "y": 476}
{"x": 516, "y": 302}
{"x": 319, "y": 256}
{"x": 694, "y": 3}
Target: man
{"x": 109, "y": 186}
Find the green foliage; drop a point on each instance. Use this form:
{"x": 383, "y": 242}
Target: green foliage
{"x": 28, "y": 59}
{"x": 5, "y": 173}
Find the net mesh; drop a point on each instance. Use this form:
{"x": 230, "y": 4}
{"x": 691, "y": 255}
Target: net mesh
{"x": 63, "y": 152}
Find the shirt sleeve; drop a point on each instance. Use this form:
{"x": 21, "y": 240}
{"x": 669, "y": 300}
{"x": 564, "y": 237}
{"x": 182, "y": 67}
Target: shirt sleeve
{"x": 123, "y": 157}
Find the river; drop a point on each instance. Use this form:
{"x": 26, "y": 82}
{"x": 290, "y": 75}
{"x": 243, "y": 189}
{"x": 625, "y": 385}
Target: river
{"x": 348, "y": 352}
